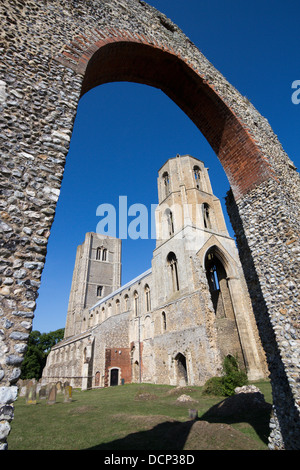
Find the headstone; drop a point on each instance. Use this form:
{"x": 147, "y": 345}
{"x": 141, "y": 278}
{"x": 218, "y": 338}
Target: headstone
{"x": 23, "y": 390}
{"x": 67, "y": 394}
{"x": 193, "y": 414}
{"x": 31, "y": 394}
{"x": 43, "y": 392}
{"x": 59, "y": 387}
{"x": 52, "y": 395}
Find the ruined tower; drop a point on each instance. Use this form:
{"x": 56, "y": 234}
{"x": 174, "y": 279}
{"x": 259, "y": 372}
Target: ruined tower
{"x": 97, "y": 273}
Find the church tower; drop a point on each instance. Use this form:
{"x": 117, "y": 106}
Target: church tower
{"x": 97, "y": 273}
{"x": 186, "y": 200}
{"x": 194, "y": 251}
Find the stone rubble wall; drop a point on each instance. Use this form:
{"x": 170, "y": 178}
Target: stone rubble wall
{"x": 45, "y": 47}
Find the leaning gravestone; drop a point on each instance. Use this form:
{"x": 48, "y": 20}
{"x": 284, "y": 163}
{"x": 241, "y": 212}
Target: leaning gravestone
{"x": 52, "y": 395}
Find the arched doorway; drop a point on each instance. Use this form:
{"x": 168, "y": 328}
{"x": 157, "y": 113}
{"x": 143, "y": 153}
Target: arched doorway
{"x": 181, "y": 370}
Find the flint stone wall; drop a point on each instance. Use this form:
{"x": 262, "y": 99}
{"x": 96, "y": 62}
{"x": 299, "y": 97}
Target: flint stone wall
{"x": 46, "y": 48}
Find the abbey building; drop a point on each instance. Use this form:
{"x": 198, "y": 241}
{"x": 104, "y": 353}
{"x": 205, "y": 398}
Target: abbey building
{"x": 174, "y": 323}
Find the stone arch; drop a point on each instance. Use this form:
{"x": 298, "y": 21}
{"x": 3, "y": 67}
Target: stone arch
{"x": 86, "y": 42}
{"x": 181, "y": 369}
{"x": 117, "y": 55}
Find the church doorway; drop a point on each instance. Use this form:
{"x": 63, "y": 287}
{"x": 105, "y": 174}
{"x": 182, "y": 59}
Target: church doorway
{"x": 181, "y": 370}
{"x": 114, "y": 377}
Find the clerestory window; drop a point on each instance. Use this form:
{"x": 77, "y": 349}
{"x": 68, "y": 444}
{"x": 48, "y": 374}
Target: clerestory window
{"x": 172, "y": 262}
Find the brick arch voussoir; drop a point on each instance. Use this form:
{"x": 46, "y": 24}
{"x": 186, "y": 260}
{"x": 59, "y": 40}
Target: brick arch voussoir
{"x": 239, "y": 153}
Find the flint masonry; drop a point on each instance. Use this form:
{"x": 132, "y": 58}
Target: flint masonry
{"x": 54, "y": 52}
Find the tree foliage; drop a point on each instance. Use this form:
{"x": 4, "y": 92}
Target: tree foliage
{"x": 39, "y": 345}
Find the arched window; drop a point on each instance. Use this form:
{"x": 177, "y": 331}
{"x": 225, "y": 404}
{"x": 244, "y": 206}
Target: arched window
{"x": 206, "y": 216}
{"x": 169, "y": 215}
{"x": 126, "y": 300}
{"x": 164, "y": 321}
{"x": 218, "y": 285}
{"x": 117, "y": 306}
{"x": 109, "y": 310}
{"x": 98, "y": 253}
{"x": 166, "y": 183}
{"x": 148, "y": 300}
{"x": 104, "y": 254}
{"x": 136, "y": 303}
{"x": 172, "y": 262}
{"x": 99, "y": 291}
{"x": 197, "y": 176}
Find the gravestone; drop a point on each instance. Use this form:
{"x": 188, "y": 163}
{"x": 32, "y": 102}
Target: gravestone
{"x": 67, "y": 394}
{"x": 52, "y": 395}
{"x": 43, "y": 392}
{"x": 31, "y": 393}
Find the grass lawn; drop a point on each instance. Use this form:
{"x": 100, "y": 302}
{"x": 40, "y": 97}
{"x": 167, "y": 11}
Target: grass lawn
{"x": 137, "y": 417}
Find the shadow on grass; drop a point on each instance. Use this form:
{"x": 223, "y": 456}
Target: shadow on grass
{"x": 243, "y": 408}
{"x": 172, "y": 435}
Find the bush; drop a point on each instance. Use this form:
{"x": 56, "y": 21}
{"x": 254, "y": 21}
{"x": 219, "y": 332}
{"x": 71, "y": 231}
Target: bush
{"x": 225, "y": 385}
{"x": 213, "y": 386}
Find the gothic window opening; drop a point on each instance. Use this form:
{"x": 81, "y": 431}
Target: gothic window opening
{"x": 148, "y": 300}
{"x": 218, "y": 286}
{"x": 206, "y": 216}
{"x": 166, "y": 182}
{"x": 136, "y": 303}
{"x": 99, "y": 291}
{"x": 117, "y": 306}
{"x": 172, "y": 262}
{"x": 170, "y": 222}
{"x": 126, "y": 300}
{"x": 164, "y": 321}
{"x": 214, "y": 278}
{"x": 104, "y": 254}
{"x": 98, "y": 253}
{"x": 197, "y": 176}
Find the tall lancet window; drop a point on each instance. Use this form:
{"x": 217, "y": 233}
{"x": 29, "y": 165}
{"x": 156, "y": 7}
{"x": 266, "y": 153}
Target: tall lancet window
{"x": 197, "y": 176}
{"x": 206, "y": 216}
{"x": 104, "y": 254}
{"x": 172, "y": 262}
{"x": 166, "y": 183}
{"x": 148, "y": 300}
{"x": 98, "y": 252}
{"x": 170, "y": 222}
{"x": 136, "y": 303}
{"x": 99, "y": 291}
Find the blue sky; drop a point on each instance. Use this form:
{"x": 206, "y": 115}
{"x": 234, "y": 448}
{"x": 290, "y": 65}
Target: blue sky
{"x": 124, "y": 132}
